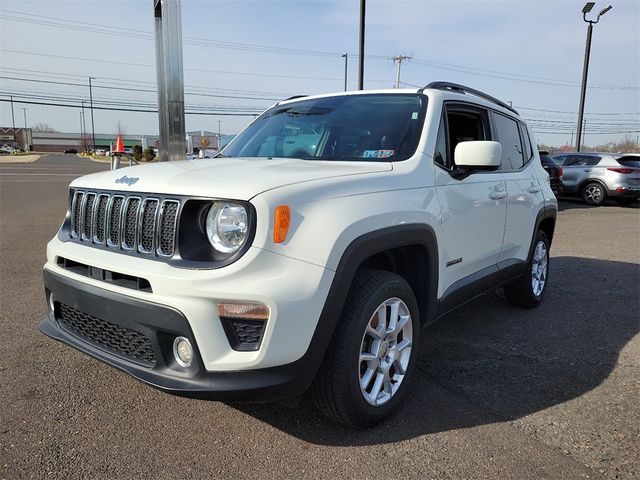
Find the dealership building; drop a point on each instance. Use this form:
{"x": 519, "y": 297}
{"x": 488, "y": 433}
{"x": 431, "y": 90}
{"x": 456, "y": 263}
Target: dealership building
{"x": 59, "y": 142}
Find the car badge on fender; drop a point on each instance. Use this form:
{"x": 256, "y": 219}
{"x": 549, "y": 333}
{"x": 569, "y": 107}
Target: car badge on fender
{"x": 127, "y": 180}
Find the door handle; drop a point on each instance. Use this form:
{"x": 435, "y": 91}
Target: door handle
{"x": 498, "y": 195}
{"x": 587, "y": 169}
{"x": 535, "y": 189}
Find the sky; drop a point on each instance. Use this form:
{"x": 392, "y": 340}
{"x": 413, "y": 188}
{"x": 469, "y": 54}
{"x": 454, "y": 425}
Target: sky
{"x": 242, "y": 56}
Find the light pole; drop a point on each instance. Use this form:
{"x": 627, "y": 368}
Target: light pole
{"x": 587, "y": 51}
{"x": 363, "y": 7}
{"x": 219, "y": 134}
{"x": 93, "y": 128}
{"x": 346, "y": 59}
{"x": 24, "y": 110}
{"x": 13, "y": 122}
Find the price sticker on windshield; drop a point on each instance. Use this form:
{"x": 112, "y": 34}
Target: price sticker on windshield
{"x": 378, "y": 153}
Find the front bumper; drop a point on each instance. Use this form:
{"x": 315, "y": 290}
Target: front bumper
{"x": 160, "y": 325}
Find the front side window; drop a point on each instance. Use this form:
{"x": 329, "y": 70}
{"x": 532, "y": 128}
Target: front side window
{"x": 509, "y": 137}
{"x": 365, "y": 127}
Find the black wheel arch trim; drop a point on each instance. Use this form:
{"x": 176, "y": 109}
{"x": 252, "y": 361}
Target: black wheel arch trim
{"x": 353, "y": 257}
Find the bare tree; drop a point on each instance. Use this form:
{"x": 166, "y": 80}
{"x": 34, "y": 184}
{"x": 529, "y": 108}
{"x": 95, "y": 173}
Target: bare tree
{"x": 120, "y": 128}
{"x": 43, "y": 127}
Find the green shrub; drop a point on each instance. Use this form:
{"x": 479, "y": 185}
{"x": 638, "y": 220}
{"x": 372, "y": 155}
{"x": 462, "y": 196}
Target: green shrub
{"x": 136, "y": 152}
{"x": 148, "y": 155}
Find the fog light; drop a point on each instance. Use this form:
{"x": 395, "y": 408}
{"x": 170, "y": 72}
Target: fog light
{"x": 183, "y": 351}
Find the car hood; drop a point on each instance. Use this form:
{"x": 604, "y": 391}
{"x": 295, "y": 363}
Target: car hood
{"x": 233, "y": 178}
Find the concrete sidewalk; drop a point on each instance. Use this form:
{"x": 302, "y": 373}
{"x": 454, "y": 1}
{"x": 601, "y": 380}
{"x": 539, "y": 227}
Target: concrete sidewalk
{"x": 18, "y": 158}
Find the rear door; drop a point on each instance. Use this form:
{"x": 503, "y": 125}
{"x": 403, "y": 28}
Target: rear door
{"x": 525, "y": 197}
{"x": 473, "y": 208}
{"x": 577, "y": 168}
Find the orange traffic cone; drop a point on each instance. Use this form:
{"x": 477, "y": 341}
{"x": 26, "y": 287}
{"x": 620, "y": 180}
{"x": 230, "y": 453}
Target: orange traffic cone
{"x": 119, "y": 145}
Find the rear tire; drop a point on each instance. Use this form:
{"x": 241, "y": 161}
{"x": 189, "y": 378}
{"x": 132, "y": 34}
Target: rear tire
{"x": 366, "y": 369}
{"x": 528, "y": 290}
{"x": 594, "y": 194}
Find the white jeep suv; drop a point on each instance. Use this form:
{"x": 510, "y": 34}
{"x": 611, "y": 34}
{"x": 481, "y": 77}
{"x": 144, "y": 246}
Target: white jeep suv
{"x": 310, "y": 254}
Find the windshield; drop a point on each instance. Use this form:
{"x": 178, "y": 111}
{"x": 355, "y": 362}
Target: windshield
{"x": 365, "y": 127}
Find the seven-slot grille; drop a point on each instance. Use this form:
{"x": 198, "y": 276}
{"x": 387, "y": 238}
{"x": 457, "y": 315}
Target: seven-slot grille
{"x": 128, "y": 222}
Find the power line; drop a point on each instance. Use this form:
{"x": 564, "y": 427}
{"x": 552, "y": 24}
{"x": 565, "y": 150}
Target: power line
{"x": 138, "y": 89}
{"x": 202, "y": 70}
{"x": 76, "y": 25}
{"x": 131, "y": 109}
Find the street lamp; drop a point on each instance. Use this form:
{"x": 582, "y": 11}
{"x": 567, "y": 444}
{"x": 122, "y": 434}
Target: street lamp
{"x": 587, "y": 51}
{"x": 346, "y": 60}
{"x": 93, "y": 128}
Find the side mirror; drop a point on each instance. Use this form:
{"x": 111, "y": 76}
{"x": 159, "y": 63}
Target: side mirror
{"x": 478, "y": 155}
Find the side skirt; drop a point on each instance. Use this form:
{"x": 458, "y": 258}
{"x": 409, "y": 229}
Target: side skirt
{"x": 479, "y": 283}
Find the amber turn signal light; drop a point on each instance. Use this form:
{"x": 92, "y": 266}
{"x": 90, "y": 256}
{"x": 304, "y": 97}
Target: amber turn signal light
{"x": 281, "y": 222}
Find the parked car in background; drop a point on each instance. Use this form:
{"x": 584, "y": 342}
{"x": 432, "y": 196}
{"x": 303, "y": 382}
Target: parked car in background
{"x": 71, "y": 150}
{"x": 554, "y": 170}
{"x": 7, "y": 149}
{"x": 597, "y": 176}
{"x": 101, "y": 152}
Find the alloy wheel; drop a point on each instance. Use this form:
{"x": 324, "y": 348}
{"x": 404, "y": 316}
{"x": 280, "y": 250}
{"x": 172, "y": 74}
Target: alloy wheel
{"x": 385, "y": 351}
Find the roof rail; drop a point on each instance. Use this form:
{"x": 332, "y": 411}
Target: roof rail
{"x": 454, "y": 87}
{"x": 294, "y": 97}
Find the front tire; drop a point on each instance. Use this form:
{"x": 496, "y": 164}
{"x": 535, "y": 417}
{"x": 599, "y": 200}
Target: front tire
{"x": 366, "y": 369}
{"x": 528, "y": 290}
{"x": 594, "y": 194}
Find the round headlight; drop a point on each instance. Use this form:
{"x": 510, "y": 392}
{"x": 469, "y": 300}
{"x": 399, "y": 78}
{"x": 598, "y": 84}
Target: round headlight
{"x": 227, "y": 226}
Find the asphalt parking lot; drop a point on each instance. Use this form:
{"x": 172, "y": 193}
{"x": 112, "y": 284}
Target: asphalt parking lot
{"x": 500, "y": 393}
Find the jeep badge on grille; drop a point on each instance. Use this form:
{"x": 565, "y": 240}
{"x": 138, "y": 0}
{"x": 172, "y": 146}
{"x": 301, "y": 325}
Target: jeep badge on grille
{"x": 127, "y": 180}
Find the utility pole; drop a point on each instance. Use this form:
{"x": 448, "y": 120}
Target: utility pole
{"x": 361, "y": 57}
{"x": 13, "y": 121}
{"x": 219, "y": 134}
{"x": 170, "y": 79}
{"x": 25, "y": 136}
{"x": 84, "y": 129}
{"x": 399, "y": 59}
{"x": 93, "y": 127}
{"x": 346, "y": 58}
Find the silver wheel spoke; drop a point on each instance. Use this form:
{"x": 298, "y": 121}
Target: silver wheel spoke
{"x": 368, "y": 357}
{"x": 382, "y": 320}
{"x": 393, "y": 317}
{"x": 397, "y": 365}
{"x": 403, "y": 345}
{"x": 366, "y": 378}
{"x": 377, "y": 386}
{"x": 404, "y": 319}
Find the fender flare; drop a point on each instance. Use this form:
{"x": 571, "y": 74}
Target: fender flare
{"x": 354, "y": 255}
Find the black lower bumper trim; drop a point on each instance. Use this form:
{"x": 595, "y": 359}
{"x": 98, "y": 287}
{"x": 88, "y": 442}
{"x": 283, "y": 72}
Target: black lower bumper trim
{"x": 161, "y": 325}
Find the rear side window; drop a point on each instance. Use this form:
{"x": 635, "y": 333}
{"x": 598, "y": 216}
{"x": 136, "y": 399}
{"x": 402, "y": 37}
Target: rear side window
{"x": 577, "y": 160}
{"x": 526, "y": 142}
{"x": 506, "y": 130}
{"x": 629, "y": 161}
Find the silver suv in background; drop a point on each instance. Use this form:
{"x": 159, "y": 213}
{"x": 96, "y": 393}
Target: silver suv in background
{"x": 598, "y": 176}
